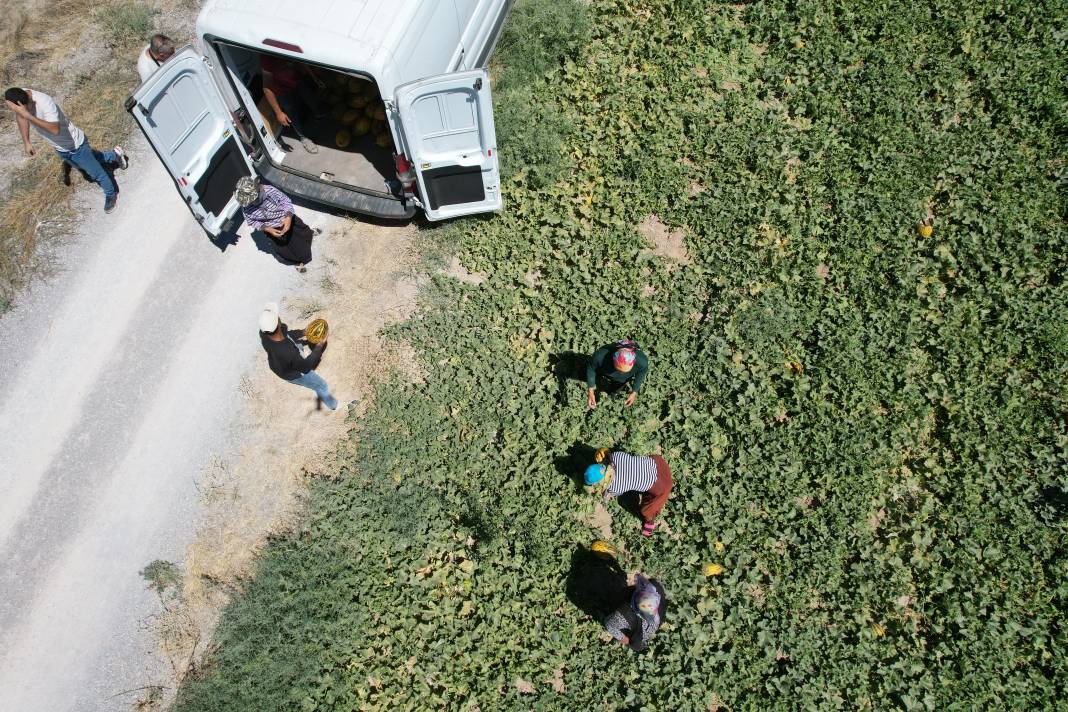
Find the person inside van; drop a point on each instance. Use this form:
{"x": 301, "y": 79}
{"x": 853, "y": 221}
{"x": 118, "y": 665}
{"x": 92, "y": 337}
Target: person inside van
{"x": 291, "y": 90}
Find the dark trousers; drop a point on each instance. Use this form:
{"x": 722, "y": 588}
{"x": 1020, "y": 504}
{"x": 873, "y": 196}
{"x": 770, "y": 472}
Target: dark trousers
{"x": 303, "y": 100}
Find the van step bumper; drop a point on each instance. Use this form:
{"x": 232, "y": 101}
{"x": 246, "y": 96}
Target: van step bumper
{"x": 337, "y": 197}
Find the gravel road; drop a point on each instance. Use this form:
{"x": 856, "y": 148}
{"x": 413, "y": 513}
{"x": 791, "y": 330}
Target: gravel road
{"x": 120, "y": 377}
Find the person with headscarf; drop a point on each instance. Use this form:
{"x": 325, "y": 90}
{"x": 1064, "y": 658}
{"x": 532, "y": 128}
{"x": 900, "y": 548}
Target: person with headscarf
{"x": 616, "y": 473}
{"x": 614, "y": 366}
{"x": 270, "y": 211}
{"x": 635, "y": 622}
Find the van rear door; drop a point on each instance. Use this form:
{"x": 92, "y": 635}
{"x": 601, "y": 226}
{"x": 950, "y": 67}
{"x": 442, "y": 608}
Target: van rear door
{"x": 183, "y": 115}
{"x": 448, "y": 129}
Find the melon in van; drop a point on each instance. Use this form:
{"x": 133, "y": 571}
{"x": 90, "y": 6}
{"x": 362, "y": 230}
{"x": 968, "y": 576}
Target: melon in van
{"x": 379, "y": 127}
{"x": 380, "y": 113}
{"x": 349, "y": 116}
{"x": 358, "y": 102}
{"x": 343, "y": 138}
{"x": 384, "y": 140}
{"x": 355, "y": 85}
{"x": 361, "y": 126}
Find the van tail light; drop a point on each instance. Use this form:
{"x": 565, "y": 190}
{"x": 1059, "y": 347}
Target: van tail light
{"x": 288, "y": 46}
{"x": 405, "y": 173}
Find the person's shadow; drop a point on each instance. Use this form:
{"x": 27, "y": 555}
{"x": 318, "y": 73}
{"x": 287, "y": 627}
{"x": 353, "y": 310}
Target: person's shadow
{"x": 574, "y": 462}
{"x": 596, "y": 584}
{"x": 228, "y": 237}
{"x": 631, "y": 503}
{"x": 264, "y": 243}
{"x": 567, "y": 366}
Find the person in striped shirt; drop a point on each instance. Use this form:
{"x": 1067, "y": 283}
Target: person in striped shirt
{"x": 616, "y": 473}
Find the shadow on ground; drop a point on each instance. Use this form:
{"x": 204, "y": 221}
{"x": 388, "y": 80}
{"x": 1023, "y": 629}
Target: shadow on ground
{"x": 596, "y": 584}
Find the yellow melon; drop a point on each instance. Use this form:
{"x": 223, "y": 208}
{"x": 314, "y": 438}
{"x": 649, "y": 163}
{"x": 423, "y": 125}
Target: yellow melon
{"x": 603, "y": 548}
{"x": 712, "y": 569}
{"x": 925, "y": 230}
{"x": 361, "y": 126}
{"x": 349, "y": 116}
{"x": 380, "y": 113}
{"x": 384, "y": 140}
{"x": 343, "y": 138}
{"x": 316, "y": 331}
{"x": 358, "y": 102}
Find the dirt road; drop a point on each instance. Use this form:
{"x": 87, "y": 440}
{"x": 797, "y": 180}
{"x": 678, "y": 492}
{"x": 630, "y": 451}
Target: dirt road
{"x": 120, "y": 378}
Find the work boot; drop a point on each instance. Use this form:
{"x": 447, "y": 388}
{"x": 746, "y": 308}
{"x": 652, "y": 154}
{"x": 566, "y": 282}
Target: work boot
{"x": 109, "y": 203}
{"x": 65, "y": 178}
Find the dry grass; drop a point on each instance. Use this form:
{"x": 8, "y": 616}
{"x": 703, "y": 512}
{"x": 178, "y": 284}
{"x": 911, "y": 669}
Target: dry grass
{"x": 38, "y": 48}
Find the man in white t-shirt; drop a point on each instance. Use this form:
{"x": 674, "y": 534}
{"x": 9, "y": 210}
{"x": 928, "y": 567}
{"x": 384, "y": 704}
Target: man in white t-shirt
{"x": 158, "y": 50}
{"x": 37, "y": 109}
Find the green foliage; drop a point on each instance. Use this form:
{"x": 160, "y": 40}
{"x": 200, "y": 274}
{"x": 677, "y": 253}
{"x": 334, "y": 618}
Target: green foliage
{"x": 539, "y": 35}
{"x": 872, "y": 423}
{"x": 162, "y": 576}
{"x": 126, "y": 21}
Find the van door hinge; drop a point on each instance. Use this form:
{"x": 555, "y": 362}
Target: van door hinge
{"x": 390, "y": 106}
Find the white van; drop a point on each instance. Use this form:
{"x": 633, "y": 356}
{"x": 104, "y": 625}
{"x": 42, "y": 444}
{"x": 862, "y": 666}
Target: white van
{"x": 396, "y": 103}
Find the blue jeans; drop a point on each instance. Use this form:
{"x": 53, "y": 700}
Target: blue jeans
{"x": 90, "y": 161}
{"x": 314, "y": 381}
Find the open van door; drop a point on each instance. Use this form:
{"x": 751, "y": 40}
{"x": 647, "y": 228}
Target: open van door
{"x": 183, "y": 115}
{"x": 448, "y": 128}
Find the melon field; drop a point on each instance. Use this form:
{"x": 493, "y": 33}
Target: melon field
{"x": 866, "y": 425}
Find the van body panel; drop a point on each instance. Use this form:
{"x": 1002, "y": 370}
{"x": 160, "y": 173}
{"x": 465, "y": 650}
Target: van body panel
{"x": 206, "y": 127}
{"x": 452, "y": 143}
{"x": 335, "y": 196}
{"x": 181, "y": 111}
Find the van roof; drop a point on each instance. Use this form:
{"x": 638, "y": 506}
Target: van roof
{"x": 349, "y": 33}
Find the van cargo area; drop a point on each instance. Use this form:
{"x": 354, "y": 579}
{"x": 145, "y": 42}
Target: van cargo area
{"x": 342, "y": 114}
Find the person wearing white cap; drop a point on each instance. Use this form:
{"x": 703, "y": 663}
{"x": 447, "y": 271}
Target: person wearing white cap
{"x": 286, "y": 358}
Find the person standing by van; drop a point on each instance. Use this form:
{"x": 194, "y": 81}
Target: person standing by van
{"x": 269, "y": 210}
{"x": 291, "y": 89}
{"x": 286, "y": 359}
{"x": 158, "y": 50}
{"x": 37, "y": 109}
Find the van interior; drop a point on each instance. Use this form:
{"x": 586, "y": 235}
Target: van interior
{"x": 340, "y": 113}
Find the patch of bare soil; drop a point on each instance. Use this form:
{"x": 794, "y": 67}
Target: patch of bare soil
{"x": 456, "y": 270}
{"x": 666, "y": 242}
{"x": 600, "y": 519}
{"x": 359, "y": 282}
